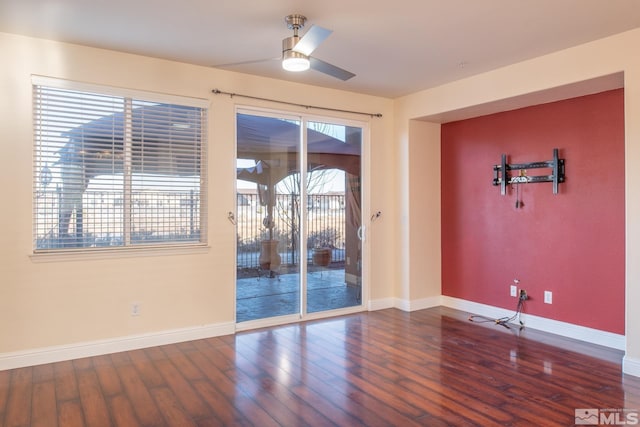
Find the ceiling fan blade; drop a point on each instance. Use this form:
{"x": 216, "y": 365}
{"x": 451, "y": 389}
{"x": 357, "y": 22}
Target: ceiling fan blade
{"x": 311, "y": 40}
{"x": 251, "y": 61}
{"x": 332, "y": 70}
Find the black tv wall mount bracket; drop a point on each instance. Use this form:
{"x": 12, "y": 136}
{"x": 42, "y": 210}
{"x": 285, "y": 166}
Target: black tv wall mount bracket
{"x": 502, "y": 175}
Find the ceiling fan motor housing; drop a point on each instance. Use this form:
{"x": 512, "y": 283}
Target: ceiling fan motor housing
{"x": 289, "y": 42}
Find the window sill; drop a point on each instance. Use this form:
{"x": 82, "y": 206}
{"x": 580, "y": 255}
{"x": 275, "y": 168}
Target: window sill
{"x": 100, "y": 254}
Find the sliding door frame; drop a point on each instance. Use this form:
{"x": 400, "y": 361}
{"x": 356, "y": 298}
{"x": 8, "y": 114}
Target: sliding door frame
{"x": 304, "y": 118}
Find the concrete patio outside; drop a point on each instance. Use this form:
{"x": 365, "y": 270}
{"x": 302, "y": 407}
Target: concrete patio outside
{"x": 262, "y": 297}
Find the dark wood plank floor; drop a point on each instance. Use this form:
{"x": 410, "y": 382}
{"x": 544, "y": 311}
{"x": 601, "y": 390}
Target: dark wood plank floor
{"x": 427, "y": 368}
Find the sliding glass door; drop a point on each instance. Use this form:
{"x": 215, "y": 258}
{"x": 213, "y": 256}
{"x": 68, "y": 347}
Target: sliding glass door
{"x": 333, "y": 197}
{"x": 298, "y": 216}
{"x": 268, "y": 217}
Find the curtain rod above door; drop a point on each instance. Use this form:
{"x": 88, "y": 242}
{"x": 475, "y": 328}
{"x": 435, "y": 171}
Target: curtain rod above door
{"x": 219, "y": 92}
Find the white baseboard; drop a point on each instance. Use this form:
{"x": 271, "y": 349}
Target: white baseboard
{"x": 403, "y": 304}
{"x": 420, "y": 304}
{"x": 582, "y": 333}
{"x": 95, "y": 348}
{"x": 381, "y": 304}
{"x": 631, "y": 366}
{"x": 133, "y": 342}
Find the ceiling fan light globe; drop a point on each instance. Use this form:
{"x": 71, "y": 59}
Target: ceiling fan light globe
{"x": 294, "y": 61}
{"x": 295, "y": 64}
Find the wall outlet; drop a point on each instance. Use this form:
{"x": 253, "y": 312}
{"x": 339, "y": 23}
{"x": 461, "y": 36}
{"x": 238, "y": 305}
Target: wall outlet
{"x": 514, "y": 291}
{"x": 548, "y": 297}
{"x": 135, "y": 309}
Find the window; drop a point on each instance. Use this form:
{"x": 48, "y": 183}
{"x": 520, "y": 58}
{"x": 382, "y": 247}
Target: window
{"x": 116, "y": 170}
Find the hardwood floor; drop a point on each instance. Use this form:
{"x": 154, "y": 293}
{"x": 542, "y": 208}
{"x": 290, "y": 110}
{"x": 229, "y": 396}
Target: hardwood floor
{"x": 429, "y": 368}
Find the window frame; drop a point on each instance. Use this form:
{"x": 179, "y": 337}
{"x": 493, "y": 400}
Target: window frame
{"x": 147, "y": 249}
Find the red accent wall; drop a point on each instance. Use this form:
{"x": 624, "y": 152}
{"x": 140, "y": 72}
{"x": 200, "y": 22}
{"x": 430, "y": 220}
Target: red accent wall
{"x": 572, "y": 243}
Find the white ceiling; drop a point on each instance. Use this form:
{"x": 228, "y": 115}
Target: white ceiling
{"x": 394, "y": 47}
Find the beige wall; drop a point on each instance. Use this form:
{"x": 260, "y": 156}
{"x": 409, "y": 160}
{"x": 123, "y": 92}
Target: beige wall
{"x": 545, "y": 78}
{"x": 419, "y": 254}
{"x": 62, "y": 302}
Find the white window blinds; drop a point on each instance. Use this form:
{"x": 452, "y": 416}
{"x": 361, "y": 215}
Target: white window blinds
{"x": 116, "y": 171}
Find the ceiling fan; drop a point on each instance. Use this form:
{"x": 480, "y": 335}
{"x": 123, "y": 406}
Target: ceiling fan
{"x": 296, "y": 50}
